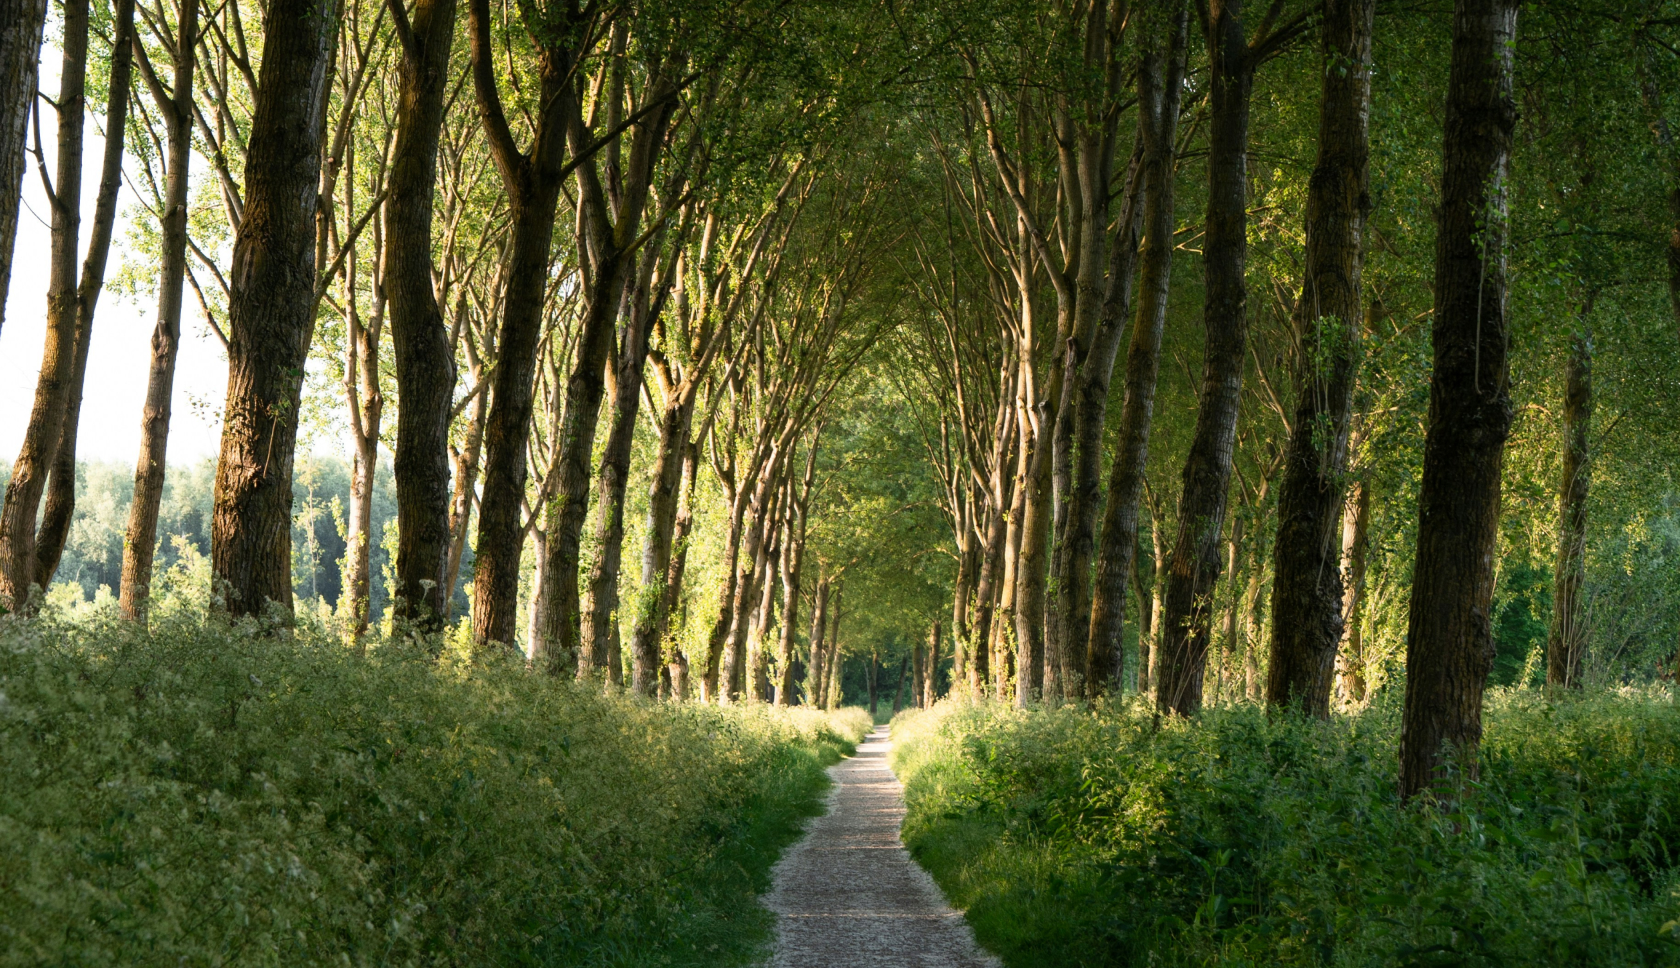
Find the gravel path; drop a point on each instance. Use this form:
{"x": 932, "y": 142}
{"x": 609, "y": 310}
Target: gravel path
{"x": 849, "y": 894}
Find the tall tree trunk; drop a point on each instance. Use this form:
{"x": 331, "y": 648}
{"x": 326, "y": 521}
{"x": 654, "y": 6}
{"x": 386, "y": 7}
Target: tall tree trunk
{"x": 608, "y": 233}
{"x": 58, "y": 353}
{"x": 61, "y": 485}
{"x": 1306, "y": 579}
{"x": 532, "y": 182}
{"x": 645, "y": 637}
{"x": 1085, "y": 393}
{"x": 1141, "y": 585}
{"x": 816, "y": 668}
{"x": 1566, "y": 641}
{"x": 271, "y": 311}
{"x": 1668, "y": 148}
{"x": 466, "y": 480}
{"x": 918, "y": 675}
{"x": 1030, "y": 567}
{"x": 21, "y": 24}
{"x": 367, "y": 408}
{"x": 764, "y": 607}
{"x": 1160, "y": 89}
{"x": 1449, "y": 647}
{"x": 1233, "y": 595}
{"x": 980, "y": 667}
{"x": 426, "y": 560}
{"x": 673, "y": 589}
{"x": 140, "y": 540}
{"x": 601, "y": 605}
{"x": 898, "y": 692}
{"x": 717, "y": 644}
{"x": 962, "y": 592}
{"x": 1356, "y": 522}
{"x": 834, "y": 667}
{"x": 930, "y": 672}
{"x": 1251, "y": 623}
{"x": 793, "y": 560}
{"x": 874, "y": 683}
{"x": 1193, "y": 567}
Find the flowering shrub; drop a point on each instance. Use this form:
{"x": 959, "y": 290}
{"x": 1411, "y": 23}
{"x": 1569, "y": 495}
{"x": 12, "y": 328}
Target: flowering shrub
{"x": 1107, "y": 837}
{"x": 206, "y": 794}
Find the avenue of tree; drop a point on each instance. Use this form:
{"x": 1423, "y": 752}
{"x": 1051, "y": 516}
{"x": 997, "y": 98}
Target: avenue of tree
{"x": 1046, "y": 350}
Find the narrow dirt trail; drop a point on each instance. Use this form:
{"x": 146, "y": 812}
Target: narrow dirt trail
{"x": 849, "y": 894}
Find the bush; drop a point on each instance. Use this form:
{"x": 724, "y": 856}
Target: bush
{"x": 215, "y": 795}
{"x": 1075, "y": 837}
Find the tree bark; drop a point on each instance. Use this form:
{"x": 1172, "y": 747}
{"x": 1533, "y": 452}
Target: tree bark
{"x": 532, "y": 182}
{"x": 466, "y": 481}
{"x": 1450, "y": 644}
{"x": 1160, "y": 90}
{"x": 140, "y": 541}
{"x": 1028, "y": 611}
{"x": 1306, "y": 579}
{"x": 271, "y": 310}
{"x": 21, "y": 27}
{"x": 645, "y": 637}
{"x": 819, "y": 629}
{"x": 874, "y": 683}
{"x": 366, "y": 404}
{"x": 1566, "y": 641}
{"x": 61, "y": 485}
{"x": 793, "y": 560}
{"x": 1356, "y": 522}
{"x": 898, "y": 692}
{"x": 1085, "y": 394}
{"x": 930, "y": 671}
{"x": 425, "y": 363}
{"x": 58, "y": 352}
{"x": 608, "y": 231}
{"x": 1193, "y": 568}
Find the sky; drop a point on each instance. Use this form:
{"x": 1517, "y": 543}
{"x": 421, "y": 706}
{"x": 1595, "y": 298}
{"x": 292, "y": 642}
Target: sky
{"x": 120, "y": 353}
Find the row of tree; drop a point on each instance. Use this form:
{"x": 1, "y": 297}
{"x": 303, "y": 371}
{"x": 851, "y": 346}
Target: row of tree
{"x": 838, "y": 298}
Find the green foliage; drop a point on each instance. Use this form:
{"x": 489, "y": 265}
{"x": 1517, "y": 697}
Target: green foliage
{"x": 1075, "y": 837}
{"x": 214, "y": 795}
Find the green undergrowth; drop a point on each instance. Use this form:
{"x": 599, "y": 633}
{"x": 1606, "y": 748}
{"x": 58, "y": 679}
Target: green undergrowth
{"x": 1081, "y": 837}
{"x": 203, "y": 795}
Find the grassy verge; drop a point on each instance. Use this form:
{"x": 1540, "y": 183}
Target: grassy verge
{"x": 204, "y": 795}
{"x": 1103, "y": 838}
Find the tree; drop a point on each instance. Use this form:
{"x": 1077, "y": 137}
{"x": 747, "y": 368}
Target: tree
{"x": 175, "y": 106}
{"x": 1307, "y": 586}
{"x": 1449, "y": 646}
{"x": 1193, "y": 567}
{"x": 271, "y": 309}
{"x": 21, "y": 25}
{"x": 424, "y": 357}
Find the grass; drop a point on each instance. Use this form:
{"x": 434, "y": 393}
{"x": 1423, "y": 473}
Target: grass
{"x": 1078, "y": 837}
{"x": 232, "y": 796}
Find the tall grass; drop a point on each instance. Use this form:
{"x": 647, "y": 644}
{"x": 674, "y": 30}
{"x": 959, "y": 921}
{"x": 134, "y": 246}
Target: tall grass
{"x": 206, "y": 795}
{"x": 1074, "y": 837}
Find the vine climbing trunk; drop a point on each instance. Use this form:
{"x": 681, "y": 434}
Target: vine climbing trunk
{"x": 1449, "y": 646}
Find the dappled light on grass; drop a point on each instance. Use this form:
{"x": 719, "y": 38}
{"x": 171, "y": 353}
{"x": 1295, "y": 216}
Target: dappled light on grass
{"x": 1238, "y": 838}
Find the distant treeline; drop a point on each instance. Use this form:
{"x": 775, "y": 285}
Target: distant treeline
{"x": 321, "y": 492}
